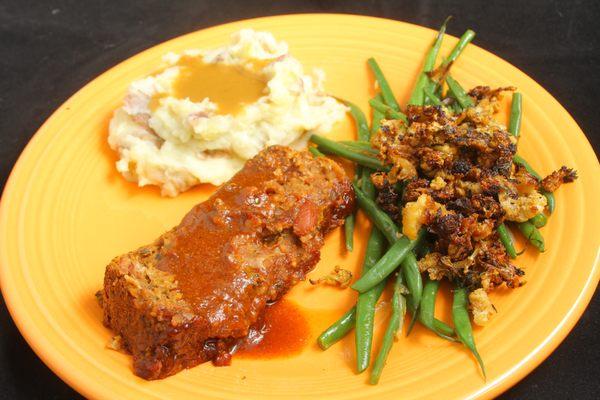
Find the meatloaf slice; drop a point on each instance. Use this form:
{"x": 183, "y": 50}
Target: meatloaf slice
{"x": 190, "y": 296}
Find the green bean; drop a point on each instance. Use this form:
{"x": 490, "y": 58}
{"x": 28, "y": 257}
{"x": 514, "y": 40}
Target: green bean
{"x": 363, "y": 144}
{"x": 359, "y": 146}
{"x": 532, "y": 234}
{"x": 418, "y": 96}
{"x": 349, "y": 232}
{"x": 551, "y": 202}
{"x": 464, "y": 40}
{"x": 431, "y": 97}
{"x": 444, "y": 328}
{"x": 367, "y": 187}
{"x": 539, "y": 220}
{"x": 514, "y": 124}
{"x": 432, "y": 54}
{"x": 427, "y": 311}
{"x": 366, "y": 183}
{"x": 414, "y": 281}
{"x": 315, "y": 152}
{"x": 338, "y": 329}
{"x": 387, "y": 110}
{"x": 438, "y": 326}
{"x": 365, "y": 305}
{"x": 458, "y": 93}
{"x": 507, "y": 241}
{"x": 394, "y": 325}
{"x": 362, "y": 127}
{"x": 384, "y": 86}
{"x": 514, "y": 127}
{"x": 413, "y": 320}
{"x": 387, "y": 264}
{"x": 462, "y": 323}
{"x": 379, "y": 218}
{"x": 331, "y": 147}
{"x": 377, "y": 116}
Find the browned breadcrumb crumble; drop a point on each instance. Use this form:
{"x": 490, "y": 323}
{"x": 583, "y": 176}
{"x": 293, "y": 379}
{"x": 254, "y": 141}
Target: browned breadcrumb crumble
{"x": 455, "y": 172}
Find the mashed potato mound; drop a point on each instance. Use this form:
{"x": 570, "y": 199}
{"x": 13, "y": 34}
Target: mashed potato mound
{"x": 176, "y": 143}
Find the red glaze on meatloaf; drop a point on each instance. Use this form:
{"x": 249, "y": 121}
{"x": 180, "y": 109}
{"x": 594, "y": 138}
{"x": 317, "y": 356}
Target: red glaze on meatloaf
{"x": 194, "y": 293}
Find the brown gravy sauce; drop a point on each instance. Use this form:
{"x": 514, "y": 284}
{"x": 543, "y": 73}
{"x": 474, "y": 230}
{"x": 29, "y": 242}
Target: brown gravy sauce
{"x": 231, "y": 87}
{"x": 284, "y": 331}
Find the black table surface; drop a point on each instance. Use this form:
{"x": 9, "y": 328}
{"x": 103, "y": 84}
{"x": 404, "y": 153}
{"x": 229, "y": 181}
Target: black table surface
{"x": 50, "y": 49}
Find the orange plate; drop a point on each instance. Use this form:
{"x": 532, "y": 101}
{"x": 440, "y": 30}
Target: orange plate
{"x": 66, "y": 212}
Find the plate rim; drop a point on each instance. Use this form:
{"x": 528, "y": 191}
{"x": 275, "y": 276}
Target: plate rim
{"x": 91, "y": 389}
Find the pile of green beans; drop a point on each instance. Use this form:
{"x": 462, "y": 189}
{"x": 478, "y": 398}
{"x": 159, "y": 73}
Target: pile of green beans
{"x": 391, "y": 256}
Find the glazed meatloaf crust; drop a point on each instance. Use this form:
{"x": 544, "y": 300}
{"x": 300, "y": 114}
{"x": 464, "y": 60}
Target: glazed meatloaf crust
{"x": 190, "y": 296}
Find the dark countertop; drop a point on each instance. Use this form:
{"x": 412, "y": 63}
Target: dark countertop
{"x": 50, "y": 49}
